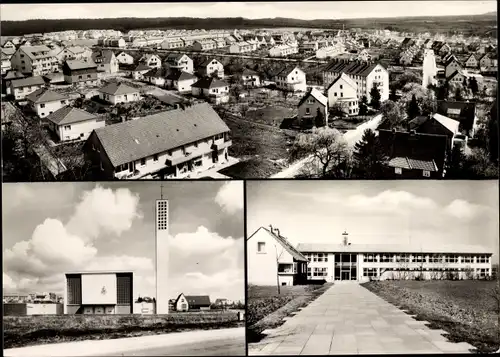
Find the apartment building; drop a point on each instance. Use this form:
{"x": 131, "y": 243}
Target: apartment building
{"x": 204, "y": 45}
{"x": 171, "y": 144}
{"x": 363, "y": 262}
{"x": 34, "y": 60}
{"x": 20, "y": 88}
{"x": 240, "y": 47}
{"x": 364, "y": 74}
{"x": 172, "y": 43}
{"x": 80, "y": 72}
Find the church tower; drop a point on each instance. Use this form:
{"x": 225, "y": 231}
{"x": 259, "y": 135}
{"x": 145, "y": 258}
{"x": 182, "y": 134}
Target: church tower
{"x": 162, "y": 253}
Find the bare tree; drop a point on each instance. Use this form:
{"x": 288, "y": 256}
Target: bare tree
{"x": 469, "y": 272}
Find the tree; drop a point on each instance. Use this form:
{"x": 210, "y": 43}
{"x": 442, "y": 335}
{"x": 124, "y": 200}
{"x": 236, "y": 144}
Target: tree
{"x": 363, "y": 106}
{"x": 235, "y": 92}
{"x": 459, "y": 94}
{"x": 392, "y": 114}
{"x": 285, "y": 93}
{"x": 493, "y": 134}
{"x": 244, "y": 110}
{"x": 455, "y": 167}
{"x": 319, "y": 120}
{"x": 413, "y": 109}
{"x": 369, "y": 156}
{"x": 393, "y": 95}
{"x": 375, "y": 96}
{"x": 326, "y": 151}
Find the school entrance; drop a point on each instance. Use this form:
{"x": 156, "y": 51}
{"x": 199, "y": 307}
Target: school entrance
{"x": 346, "y": 267}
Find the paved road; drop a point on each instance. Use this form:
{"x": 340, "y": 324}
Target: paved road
{"x": 349, "y": 319}
{"x": 223, "y": 342}
{"x": 351, "y": 136}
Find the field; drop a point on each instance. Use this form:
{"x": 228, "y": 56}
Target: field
{"x": 465, "y": 309}
{"x": 20, "y": 331}
{"x": 266, "y": 308}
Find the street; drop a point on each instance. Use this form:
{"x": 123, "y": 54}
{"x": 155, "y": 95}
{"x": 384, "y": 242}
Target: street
{"x": 221, "y": 342}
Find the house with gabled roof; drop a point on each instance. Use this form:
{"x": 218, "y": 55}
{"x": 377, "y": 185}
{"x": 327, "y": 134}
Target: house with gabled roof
{"x": 125, "y": 58}
{"x": 463, "y": 111}
{"x": 138, "y": 72}
{"x": 291, "y": 78}
{"x": 6, "y": 56}
{"x": 80, "y": 72}
{"x": 181, "y": 304}
{"x": 414, "y": 155}
{"x": 70, "y": 123}
{"x": 211, "y": 66}
{"x": 115, "y": 93}
{"x": 250, "y": 78}
{"x": 214, "y": 89}
{"x": 151, "y": 60}
{"x": 198, "y": 302}
{"x": 313, "y": 109}
{"x": 342, "y": 95}
{"x": 179, "y": 61}
{"x": 436, "y": 124}
{"x": 181, "y": 81}
{"x": 272, "y": 259}
{"x": 471, "y": 62}
{"x": 171, "y": 144}
{"x": 106, "y": 61}
{"x": 156, "y": 76}
{"x": 45, "y": 101}
{"x": 72, "y": 53}
{"x": 8, "y": 77}
{"x": 364, "y": 74}
{"x": 451, "y": 66}
{"x": 22, "y": 87}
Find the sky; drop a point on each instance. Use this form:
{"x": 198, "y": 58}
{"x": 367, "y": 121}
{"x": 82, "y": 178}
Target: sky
{"x": 53, "y": 228}
{"x": 378, "y": 212}
{"x": 252, "y": 10}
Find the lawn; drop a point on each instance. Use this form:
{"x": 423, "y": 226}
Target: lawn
{"x": 262, "y": 149}
{"x": 20, "y": 331}
{"x": 266, "y": 308}
{"x": 465, "y": 309}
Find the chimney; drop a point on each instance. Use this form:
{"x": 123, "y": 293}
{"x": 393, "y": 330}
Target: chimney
{"x": 278, "y": 232}
{"x": 345, "y": 238}
{"x": 271, "y": 228}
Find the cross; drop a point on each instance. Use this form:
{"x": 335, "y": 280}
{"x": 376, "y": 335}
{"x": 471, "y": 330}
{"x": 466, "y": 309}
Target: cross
{"x": 161, "y": 191}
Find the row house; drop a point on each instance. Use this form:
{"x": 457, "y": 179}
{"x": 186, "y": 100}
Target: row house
{"x": 79, "y": 72}
{"x": 204, "y": 45}
{"x": 364, "y": 74}
{"x": 172, "y": 43}
{"x": 151, "y": 60}
{"x": 34, "y": 60}
{"x": 211, "y": 67}
{"x": 106, "y": 61}
{"x": 112, "y": 42}
{"x": 180, "y": 81}
{"x": 282, "y": 51}
{"x": 188, "y": 42}
{"x": 70, "y": 124}
{"x": 45, "y": 101}
{"x": 220, "y": 42}
{"x": 213, "y": 89}
{"x": 330, "y": 51}
{"x": 240, "y": 47}
{"x": 20, "y": 88}
{"x": 343, "y": 95}
{"x": 115, "y": 93}
{"x": 171, "y": 144}
{"x": 291, "y": 78}
{"x": 179, "y": 61}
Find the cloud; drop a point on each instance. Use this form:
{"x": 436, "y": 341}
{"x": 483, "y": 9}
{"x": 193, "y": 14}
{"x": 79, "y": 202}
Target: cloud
{"x": 200, "y": 242}
{"x": 55, "y": 247}
{"x": 463, "y": 210}
{"x": 102, "y": 211}
{"x": 230, "y": 197}
{"x": 395, "y": 201}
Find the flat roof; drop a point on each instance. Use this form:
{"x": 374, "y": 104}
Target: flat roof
{"x": 100, "y": 272}
{"x": 391, "y": 248}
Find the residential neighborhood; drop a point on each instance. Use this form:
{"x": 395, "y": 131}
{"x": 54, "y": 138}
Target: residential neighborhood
{"x": 269, "y": 90}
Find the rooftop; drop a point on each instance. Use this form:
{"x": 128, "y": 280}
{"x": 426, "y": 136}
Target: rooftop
{"x": 26, "y": 82}
{"x": 68, "y": 115}
{"x": 118, "y": 89}
{"x": 44, "y": 95}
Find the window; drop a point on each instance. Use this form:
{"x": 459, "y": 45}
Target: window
{"x": 67, "y": 127}
{"x": 155, "y": 157}
{"x": 370, "y": 272}
{"x": 403, "y": 258}
{"x": 418, "y": 258}
{"x": 342, "y": 94}
{"x": 261, "y": 247}
{"x": 483, "y": 259}
{"x": 436, "y": 258}
{"x": 468, "y": 259}
{"x": 398, "y": 170}
{"x": 308, "y": 111}
{"x": 451, "y": 259}
{"x": 42, "y": 105}
{"x": 341, "y": 86}
{"x": 386, "y": 258}
{"x": 335, "y": 94}
{"x": 79, "y": 77}
{"x": 370, "y": 258}
{"x": 143, "y": 162}
{"x": 320, "y": 272}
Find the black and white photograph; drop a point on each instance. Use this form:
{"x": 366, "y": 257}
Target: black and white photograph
{"x": 372, "y": 267}
{"x": 123, "y": 269}
{"x": 249, "y": 90}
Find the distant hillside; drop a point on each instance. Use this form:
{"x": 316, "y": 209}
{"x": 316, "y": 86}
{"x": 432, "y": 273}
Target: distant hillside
{"x": 475, "y": 24}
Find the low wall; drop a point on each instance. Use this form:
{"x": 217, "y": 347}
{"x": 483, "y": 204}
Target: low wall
{"x": 44, "y": 309}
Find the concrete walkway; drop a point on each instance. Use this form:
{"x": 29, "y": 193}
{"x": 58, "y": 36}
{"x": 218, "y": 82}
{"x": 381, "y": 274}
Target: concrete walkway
{"x": 349, "y": 319}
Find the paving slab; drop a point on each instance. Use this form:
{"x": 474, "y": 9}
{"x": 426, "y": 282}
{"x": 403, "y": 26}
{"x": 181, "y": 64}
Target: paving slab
{"x": 349, "y": 319}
